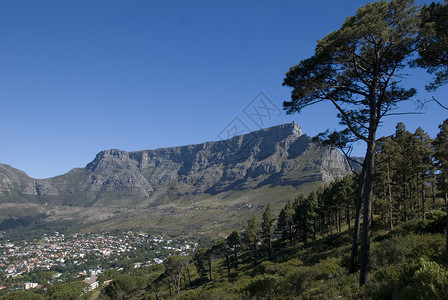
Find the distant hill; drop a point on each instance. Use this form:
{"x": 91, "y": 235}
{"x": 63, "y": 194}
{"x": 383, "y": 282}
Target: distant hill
{"x": 244, "y": 169}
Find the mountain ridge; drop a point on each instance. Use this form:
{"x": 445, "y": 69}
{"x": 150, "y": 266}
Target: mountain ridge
{"x": 266, "y": 156}
{"x": 194, "y": 184}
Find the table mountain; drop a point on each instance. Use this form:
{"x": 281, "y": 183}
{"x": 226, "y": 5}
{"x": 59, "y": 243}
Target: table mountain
{"x": 279, "y": 155}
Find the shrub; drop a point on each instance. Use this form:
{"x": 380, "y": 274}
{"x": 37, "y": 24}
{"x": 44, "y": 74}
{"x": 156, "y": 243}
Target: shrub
{"x": 263, "y": 286}
{"x": 431, "y": 280}
{"x": 435, "y": 222}
{"x": 22, "y": 295}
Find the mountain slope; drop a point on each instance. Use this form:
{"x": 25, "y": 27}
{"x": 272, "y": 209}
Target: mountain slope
{"x": 280, "y": 155}
{"x": 275, "y": 161}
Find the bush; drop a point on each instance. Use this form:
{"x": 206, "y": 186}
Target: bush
{"x": 327, "y": 268}
{"x": 263, "y": 286}
{"x": 391, "y": 252}
{"x": 431, "y": 280}
{"x": 400, "y": 250}
{"x": 435, "y": 222}
{"x": 22, "y": 295}
{"x": 68, "y": 290}
{"x": 388, "y": 274}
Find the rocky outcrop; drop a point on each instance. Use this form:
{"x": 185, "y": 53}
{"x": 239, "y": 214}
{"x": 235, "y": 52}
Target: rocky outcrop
{"x": 279, "y": 155}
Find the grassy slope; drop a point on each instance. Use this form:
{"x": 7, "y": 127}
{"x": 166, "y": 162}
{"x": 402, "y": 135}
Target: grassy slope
{"x": 407, "y": 263}
{"x": 202, "y": 215}
{"x": 193, "y": 215}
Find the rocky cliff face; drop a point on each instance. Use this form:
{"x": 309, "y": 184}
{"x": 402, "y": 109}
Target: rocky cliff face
{"x": 279, "y": 155}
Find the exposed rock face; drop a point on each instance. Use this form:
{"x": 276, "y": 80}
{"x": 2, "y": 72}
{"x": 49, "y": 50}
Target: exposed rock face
{"x": 12, "y": 180}
{"x": 279, "y": 155}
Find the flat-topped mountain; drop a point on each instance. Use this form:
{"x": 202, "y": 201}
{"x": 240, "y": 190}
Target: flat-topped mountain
{"x": 272, "y": 160}
{"x": 279, "y": 155}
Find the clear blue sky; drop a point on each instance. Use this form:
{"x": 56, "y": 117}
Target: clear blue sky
{"x": 78, "y": 77}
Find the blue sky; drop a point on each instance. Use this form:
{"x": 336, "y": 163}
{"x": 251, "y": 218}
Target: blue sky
{"x": 78, "y": 77}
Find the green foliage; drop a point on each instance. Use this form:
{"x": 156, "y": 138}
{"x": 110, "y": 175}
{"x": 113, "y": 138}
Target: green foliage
{"x": 441, "y": 156}
{"x": 124, "y": 286}
{"x": 251, "y": 239}
{"x": 23, "y": 295}
{"x": 200, "y": 260}
{"x": 175, "y": 267}
{"x": 285, "y": 222}
{"x": 264, "y": 286}
{"x": 431, "y": 280}
{"x": 233, "y": 243}
{"x": 404, "y": 177}
{"x": 68, "y": 291}
{"x": 266, "y": 229}
{"x": 434, "y": 222}
{"x": 433, "y": 53}
{"x": 400, "y": 250}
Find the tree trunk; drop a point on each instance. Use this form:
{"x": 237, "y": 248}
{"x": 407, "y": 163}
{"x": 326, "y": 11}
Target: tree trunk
{"x": 269, "y": 248}
{"x": 235, "y": 256}
{"x": 189, "y": 276}
{"x": 347, "y": 215}
{"x": 255, "y": 254}
{"x": 339, "y": 220}
{"x": 433, "y": 187}
{"x": 210, "y": 267}
{"x": 228, "y": 263}
{"x": 359, "y": 197}
{"x": 369, "y": 164}
{"x": 391, "y": 207}
{"x": 446, "y": 205}
{"x": 157, "y": 290}
{"x": 405, "y": 205}
{"x": 423, "y": 200}
{"x": 178, "y": 283}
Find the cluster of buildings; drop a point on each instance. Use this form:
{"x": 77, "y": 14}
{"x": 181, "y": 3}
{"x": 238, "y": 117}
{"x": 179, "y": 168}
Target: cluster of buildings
{"x": 18, "y": 259}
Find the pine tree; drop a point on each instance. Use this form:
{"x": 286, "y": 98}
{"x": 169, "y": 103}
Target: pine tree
{"x": 250, "y": 238}
{"x": 175, "y": 267}
{"x": 233, "y": 242}
{"x": 266, "y": 229}
{"x": 440, "y": 144}
{"x": 385, "y": 170}
{"x": 306, "y": 215}
{"x": 404, "y": 168}
{"x": 423, "y": 163}
{"x": 356, "y": 69}
{"x": 285, "y": 222}
{"x": 200, "y": 259}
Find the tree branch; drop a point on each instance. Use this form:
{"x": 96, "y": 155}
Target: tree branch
{"x": 404, "y": 113}
{"x": 347, "y": 156}
{"x": 347, "y": 119}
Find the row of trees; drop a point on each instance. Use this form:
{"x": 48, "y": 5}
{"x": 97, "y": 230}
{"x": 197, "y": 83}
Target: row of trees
{"x": 319, "y": 213}
{"x": 408, "y": 168}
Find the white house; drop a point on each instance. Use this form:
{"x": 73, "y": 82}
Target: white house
{"x": 92, "y": 282}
